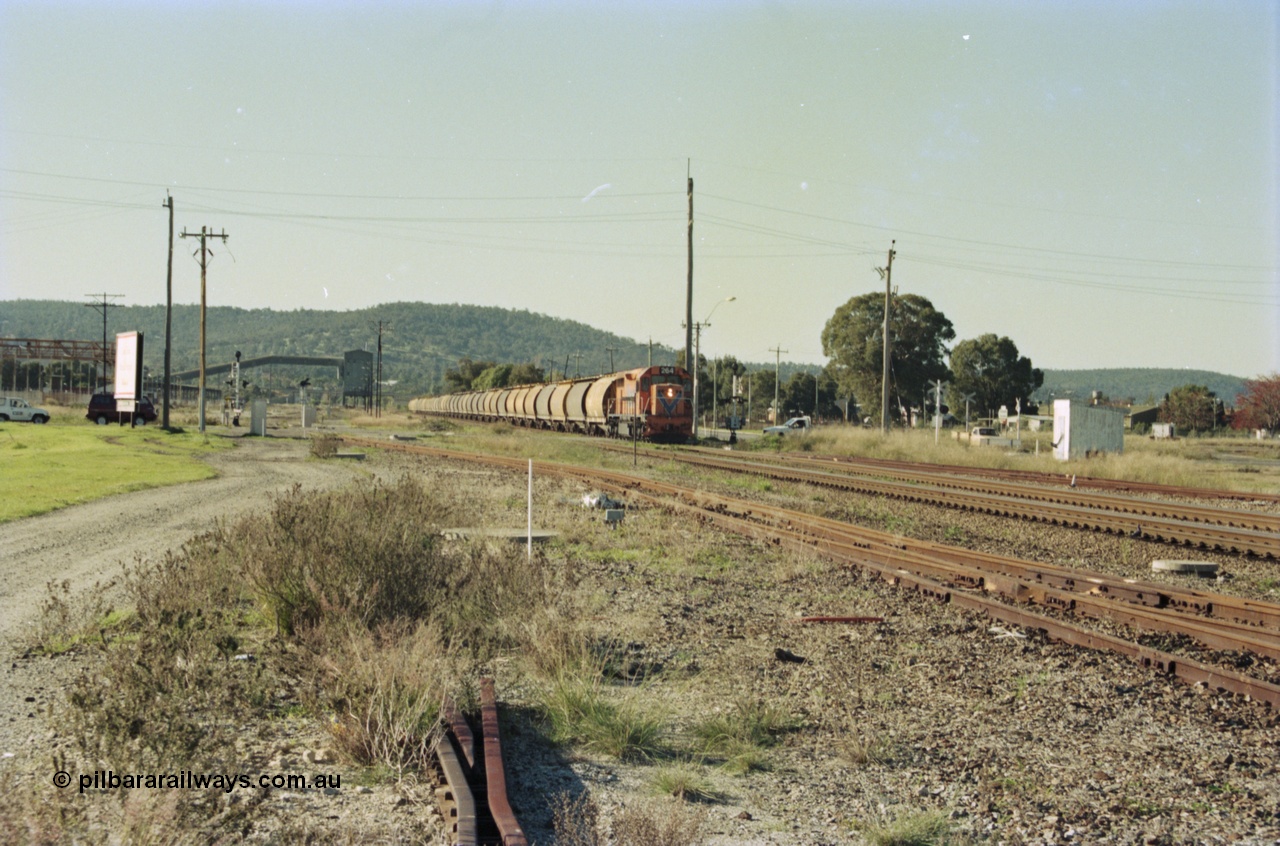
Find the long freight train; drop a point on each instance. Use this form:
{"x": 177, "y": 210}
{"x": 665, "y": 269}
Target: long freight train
{"x": 656, "y": 401}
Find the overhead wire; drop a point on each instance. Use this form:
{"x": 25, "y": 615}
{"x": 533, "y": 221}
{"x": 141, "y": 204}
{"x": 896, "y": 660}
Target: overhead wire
{"x": 1117, "y": 278}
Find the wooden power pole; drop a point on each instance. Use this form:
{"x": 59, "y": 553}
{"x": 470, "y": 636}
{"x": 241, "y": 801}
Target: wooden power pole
{"x": 777, "y": 377}
{"x": 204, "y": 235}
{"x": 168, "y": 319}
{"x": 689, "y": 363}
{"x": 887, "y": 273}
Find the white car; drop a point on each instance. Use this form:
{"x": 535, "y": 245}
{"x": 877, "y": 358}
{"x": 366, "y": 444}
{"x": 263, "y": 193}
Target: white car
{"x": 795, "y": 424}
{"x": 19, "y": 410}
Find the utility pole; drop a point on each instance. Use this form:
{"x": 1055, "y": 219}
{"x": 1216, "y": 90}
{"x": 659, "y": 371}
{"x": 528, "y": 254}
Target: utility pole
{"x": 937, "y": 410}
{"x": 777, "y": 377}
{"x": 887, "y": 274}
{"x": 611, "y": 351}
{"x": 697, "y": 354}
{"x": 168, "y": 317}
{"x": 577, "y": 365}
{"x": 102, "y": 307}
{"x": 651, "y": 351}
{"x": 378, "y": 411}
{"x": 204, "y": 236}
{"x": 688, "y": 299}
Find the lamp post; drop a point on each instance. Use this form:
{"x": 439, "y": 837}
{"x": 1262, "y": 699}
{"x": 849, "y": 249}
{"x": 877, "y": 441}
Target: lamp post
{"x": 697, "y": 354}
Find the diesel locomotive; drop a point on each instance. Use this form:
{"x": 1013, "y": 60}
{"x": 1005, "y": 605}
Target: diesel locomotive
{"x": 650, "y": 403}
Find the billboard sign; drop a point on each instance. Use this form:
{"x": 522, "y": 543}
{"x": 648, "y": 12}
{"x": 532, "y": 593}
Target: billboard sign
{"x": 128, "y": 387}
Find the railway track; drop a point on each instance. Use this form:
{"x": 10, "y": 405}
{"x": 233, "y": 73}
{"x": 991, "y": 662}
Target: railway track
{"x": 1065, "y": 494}
{"x": 1187, "y": 525}
{"x": 1002, "y": 588}
{"x": 1050, "y": 480}
{"x": 471, "y": 779}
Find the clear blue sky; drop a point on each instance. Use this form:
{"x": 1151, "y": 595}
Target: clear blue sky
{"x": 1096, "y": 180}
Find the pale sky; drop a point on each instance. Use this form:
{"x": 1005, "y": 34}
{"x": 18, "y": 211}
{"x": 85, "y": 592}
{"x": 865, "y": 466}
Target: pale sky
{"x": 1096, "y": 180}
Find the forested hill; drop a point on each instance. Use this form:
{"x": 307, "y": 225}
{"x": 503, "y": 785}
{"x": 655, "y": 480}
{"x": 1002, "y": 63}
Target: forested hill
{"x": 420, "y": 341}
{"x": 1144, "y": 386}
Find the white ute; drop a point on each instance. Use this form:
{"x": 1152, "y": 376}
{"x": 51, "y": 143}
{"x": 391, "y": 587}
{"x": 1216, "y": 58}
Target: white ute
{"x": 18, "y": 410}
{"x": 795, "y": 424}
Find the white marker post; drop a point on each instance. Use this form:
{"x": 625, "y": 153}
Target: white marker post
{"x": 529, "y": 545}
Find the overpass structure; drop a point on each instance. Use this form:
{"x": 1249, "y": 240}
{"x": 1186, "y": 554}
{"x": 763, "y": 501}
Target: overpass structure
{"x": 262, "y": 360}
{"x": 354, "y": 367}
{"x": 355, "y": 370}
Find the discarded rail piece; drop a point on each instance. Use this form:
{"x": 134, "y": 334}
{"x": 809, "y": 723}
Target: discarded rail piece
{"x": 472, "y": 791}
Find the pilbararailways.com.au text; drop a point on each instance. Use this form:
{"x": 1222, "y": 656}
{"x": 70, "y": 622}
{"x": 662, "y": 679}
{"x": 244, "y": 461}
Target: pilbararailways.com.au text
{"x": 188, "y": 780}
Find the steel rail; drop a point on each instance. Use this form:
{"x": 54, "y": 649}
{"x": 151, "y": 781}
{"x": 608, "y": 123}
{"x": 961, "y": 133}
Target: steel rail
{"x": 454, "y": 796}
{"x": 1191, "y": 512}
{"x": 1234, "y": 625}
{"x": 1233, "y": 609}
{"x": 1185, "y": 669}
{"x": 803, "y": 531}
{"x": 1161, "y": 529}
{"x": 1052, "y": 480}
{"x": 495, "y": 772}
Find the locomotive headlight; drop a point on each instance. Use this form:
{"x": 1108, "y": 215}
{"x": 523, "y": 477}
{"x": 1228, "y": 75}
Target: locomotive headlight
{"x": 671, "y": 392}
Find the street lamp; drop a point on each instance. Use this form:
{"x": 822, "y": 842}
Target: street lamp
{"x": 697, "y": 353}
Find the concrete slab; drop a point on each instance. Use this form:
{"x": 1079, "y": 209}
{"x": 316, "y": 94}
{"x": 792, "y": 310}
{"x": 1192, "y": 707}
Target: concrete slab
{"x": 513, "y": 535}
{"x": 1198, "y": 568}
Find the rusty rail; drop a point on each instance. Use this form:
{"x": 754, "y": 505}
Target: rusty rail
{"x": 888, "y": 467}
{"x": 495, "y": 772}
{"x": 1137, "y": 522}
{"x": 472, "y": 791}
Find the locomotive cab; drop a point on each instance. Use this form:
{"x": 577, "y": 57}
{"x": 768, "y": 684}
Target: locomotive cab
{"x": 654, "y": 404}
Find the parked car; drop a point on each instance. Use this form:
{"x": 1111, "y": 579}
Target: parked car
{"x": 102, "y": 410}
{"x": 795, "y": 424}
{"x": 18, "y": 409}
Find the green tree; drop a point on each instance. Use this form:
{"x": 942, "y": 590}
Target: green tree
{"x": 527, "y": 374}
{"x": 1191, "y": 408}
{"x": 990, "y": 370}
{"x": 461, "y": 377}
{"x": 498, "y": 376}
{"x": 918, "y": 334}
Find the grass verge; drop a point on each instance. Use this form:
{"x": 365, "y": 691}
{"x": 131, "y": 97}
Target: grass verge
{"x": 65, "y": 463}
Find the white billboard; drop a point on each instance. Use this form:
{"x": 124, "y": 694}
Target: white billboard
{"x": 128, "y": 387}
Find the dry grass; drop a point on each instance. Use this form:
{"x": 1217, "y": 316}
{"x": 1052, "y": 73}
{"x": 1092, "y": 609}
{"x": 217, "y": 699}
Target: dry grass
{"x": 577, "y": 822}
{"x": 345, "y": 605}
{"x": 385, "y": 690}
